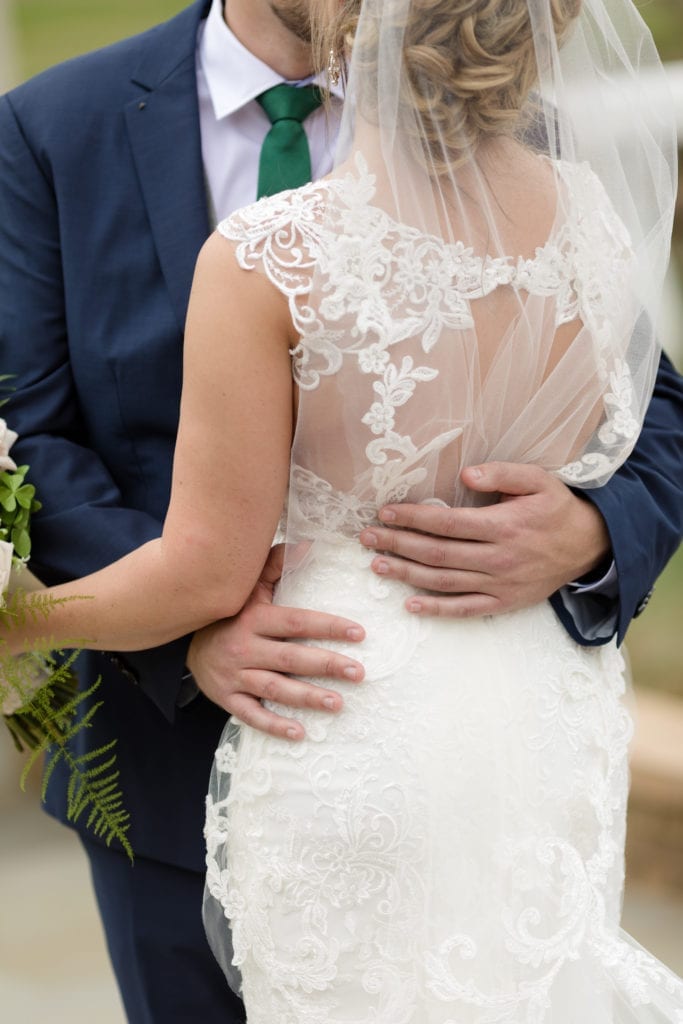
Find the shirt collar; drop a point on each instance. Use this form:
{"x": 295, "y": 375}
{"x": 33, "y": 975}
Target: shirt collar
{"x": 234, "y": 76}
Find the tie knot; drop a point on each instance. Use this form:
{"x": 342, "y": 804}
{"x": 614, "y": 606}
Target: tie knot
{"x": 290, "y": 102}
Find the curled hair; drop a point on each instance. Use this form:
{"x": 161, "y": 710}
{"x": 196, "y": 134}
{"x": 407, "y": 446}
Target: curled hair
{"x": 469, "y": 66}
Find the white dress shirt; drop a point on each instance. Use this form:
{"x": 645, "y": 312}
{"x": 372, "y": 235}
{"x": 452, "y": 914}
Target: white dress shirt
{"x": 233, "y": 126}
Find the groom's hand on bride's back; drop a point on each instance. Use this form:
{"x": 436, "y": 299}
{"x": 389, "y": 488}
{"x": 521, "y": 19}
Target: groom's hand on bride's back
{"x": 497, "y": 558}
{"x": 238, "y": 663}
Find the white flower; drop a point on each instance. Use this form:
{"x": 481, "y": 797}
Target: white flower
{"x": 226, "y": 758}
{"x": 31, "y": 670}
{"x": 373, "y": 359}
{"x": 32, "y": 673}
{"x": 6, "y": 551}
{"x": 232, "y": 901}
{"x": 380, "y": 418}
{"x": 7, "y": 439}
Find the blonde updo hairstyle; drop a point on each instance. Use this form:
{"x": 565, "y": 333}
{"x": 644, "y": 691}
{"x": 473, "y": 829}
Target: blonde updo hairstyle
{"x": 469, "y": 66}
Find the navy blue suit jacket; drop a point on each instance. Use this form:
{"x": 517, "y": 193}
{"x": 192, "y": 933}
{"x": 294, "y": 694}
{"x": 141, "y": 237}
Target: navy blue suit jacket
{"x": 103, "y": 210}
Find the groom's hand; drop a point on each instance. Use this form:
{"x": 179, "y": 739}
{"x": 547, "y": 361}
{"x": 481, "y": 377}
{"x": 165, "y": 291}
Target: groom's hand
{"x": 498, "y": 558}
{"x": 239, "y": 662}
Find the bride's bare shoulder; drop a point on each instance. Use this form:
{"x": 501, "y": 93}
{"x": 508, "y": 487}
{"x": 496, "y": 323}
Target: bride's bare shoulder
{"x": 527, "y": 189}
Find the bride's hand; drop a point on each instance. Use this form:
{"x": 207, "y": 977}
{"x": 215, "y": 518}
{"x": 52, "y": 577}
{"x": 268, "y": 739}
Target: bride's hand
{"x": 483, "y": 561}
{"x": 239, "y": 662}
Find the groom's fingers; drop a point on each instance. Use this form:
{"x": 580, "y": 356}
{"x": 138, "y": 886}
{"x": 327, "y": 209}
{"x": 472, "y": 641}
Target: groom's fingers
{"x": 299, "y": 624}
{"x": 260, "y": 645}
{"x": 250, "y": 711}
{"x": 237, "y": 663}
{"x": 455, "y": 606}
{"x": 291, "y": 693}
{"x": 441, "y": 580}
{"x": 279, "y": 689}
{"x": 301, "y": 660}
{"x": 496, "y": 558}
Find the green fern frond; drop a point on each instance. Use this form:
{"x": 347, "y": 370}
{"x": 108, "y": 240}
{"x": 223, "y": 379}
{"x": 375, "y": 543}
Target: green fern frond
{"x": 27, "y": 724}
{"x": 24, "y": 606}
{"x": 45, "y": 711}
{"x": 46, "y": 724}
{"x": 89, "y": 773}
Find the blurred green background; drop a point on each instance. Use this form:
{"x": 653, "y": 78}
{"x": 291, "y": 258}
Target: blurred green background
{"x": 47, "y": 31}
{"x": 51, "y": 30}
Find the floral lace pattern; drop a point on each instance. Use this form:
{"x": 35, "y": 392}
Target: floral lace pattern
{"x": 449, "y": 848}
{"x": 389, "y": 282}
{"x": 361, "y": 888}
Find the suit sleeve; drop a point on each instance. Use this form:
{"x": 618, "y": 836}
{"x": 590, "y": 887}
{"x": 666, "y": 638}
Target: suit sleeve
{"x": 642, "y": 506}
{"x": 83, "y": 525}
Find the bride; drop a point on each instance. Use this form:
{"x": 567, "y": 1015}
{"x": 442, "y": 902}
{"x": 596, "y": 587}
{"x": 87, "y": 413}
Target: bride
{"x": 477, "y": 280}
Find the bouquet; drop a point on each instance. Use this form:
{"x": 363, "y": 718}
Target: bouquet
{"x": 40, "y": 701}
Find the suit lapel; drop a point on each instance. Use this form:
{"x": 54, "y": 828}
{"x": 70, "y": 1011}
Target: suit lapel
{"x": 163, "y": 129}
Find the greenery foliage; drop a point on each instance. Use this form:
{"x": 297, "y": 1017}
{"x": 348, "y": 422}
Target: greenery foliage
{"x": 48, "y": 711}
{"x": 17, "y": 505}
{"x": 49, "y": 718}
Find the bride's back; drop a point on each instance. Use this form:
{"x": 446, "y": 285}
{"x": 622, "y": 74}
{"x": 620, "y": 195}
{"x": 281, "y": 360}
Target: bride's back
{"x": 476, "y": 278}
{"x": 418, "y": 355}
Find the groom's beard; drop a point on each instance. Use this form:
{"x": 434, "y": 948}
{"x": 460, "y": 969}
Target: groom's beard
{"x": 295, "y": 16}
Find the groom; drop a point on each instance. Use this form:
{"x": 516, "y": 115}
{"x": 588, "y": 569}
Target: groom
{"x": 112, "y": 168}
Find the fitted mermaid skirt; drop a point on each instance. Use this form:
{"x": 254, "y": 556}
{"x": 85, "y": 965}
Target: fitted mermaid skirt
{"x": 449, "y": 849}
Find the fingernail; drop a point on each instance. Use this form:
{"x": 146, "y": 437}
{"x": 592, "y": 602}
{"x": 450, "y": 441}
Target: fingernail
{"x": 476, "y": 472}
{"x": 387, "y": 516}
{"x": 354, "y": 633}
{"x": 414, "y": 605}
{"x": 350, "y": 672}
{"x": 330, "y": 703}
{"x": 381, "y": 567}
{"x": 369, "y": 540}
{"x": 292, "y": 734}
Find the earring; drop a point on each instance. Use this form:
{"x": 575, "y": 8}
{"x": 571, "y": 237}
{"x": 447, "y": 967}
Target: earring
{"x": 333, "y": 69}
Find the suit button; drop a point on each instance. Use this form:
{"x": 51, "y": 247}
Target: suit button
{"x": 643, "y": 604}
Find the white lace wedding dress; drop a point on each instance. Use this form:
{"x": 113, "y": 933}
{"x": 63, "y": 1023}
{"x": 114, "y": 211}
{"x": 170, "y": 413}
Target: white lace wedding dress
{"x": 450, "y": 848}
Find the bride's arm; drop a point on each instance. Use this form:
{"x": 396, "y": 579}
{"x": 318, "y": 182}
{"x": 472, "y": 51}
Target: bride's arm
{"x": 229, "y": 477}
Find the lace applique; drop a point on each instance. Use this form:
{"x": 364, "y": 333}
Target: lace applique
{"x": 449, "y": 848}
{"x": 361, "y": 889}
{"x": 324, "y": 511}
{"x": 382, "y": 282}
{"x": 620, "y": 429}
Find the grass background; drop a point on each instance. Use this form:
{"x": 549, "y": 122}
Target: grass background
{"x": 52, "y": 30}
{"x": 47, "y": 31}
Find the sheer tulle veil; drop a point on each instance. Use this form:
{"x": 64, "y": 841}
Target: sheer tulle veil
{"x": 490, "y": 253}
{"x": 513, "y": 138}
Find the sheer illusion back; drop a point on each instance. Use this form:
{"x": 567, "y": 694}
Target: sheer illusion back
{"x": 418, "y": 356}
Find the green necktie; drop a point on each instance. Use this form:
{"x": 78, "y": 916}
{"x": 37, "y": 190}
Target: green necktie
{"x": 285, "y": 158}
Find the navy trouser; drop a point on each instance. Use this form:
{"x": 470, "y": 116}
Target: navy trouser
{"x": 152, "y": 917}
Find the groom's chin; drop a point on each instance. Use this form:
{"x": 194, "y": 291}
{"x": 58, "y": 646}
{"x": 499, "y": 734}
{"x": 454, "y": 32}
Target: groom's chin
{"x": 295, "y": 16}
